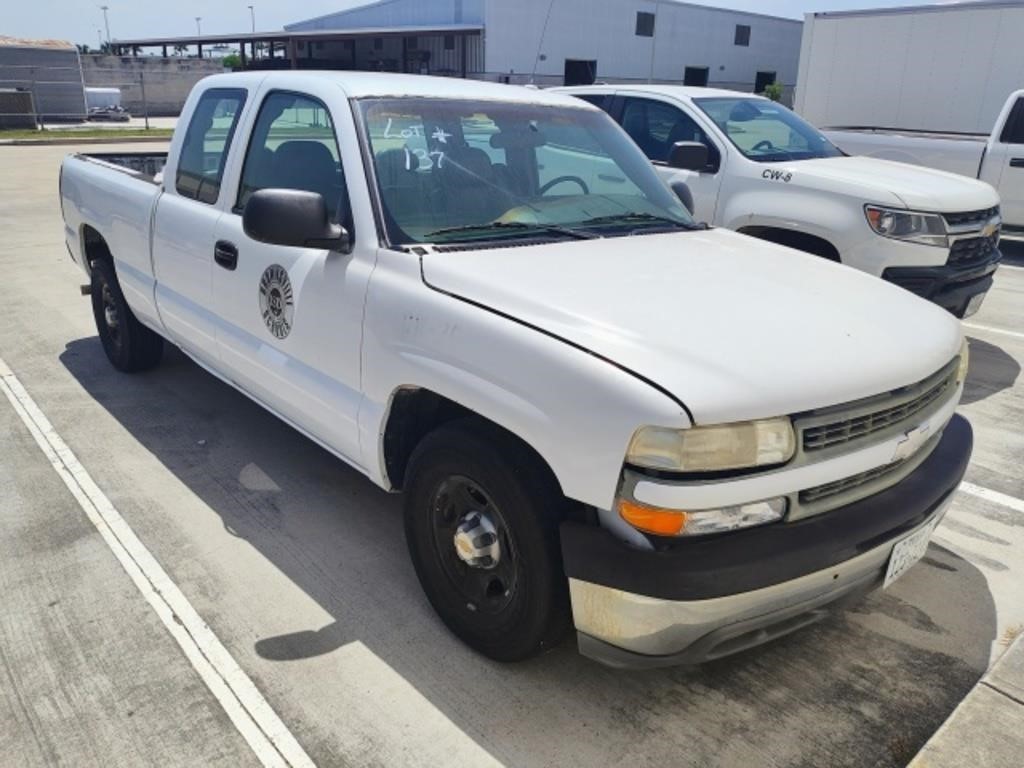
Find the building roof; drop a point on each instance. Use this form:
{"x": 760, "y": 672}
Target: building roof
{"x": 21, "y": 42}
{"x": 280, "y": 35}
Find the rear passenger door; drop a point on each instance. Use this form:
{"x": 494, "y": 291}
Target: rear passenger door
{"x": 185, "y": 220}
{"x": 289, "y": 322}
{"x": 656, "y": 125}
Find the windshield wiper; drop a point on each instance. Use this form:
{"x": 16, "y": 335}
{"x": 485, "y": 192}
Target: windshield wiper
{"x": 515, "y": 227}
{"x": 634, "y": 218}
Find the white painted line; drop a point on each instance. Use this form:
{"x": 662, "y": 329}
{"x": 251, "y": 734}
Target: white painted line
{"x": 1010, "y": 502}
{"x": 270, "y": 740}
{"x": 1011, "y": 266}
{"x": 990, "y": 329}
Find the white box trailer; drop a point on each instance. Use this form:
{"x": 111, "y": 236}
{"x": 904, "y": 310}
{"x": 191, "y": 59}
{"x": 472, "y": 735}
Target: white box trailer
{"x": 947, "y": 68}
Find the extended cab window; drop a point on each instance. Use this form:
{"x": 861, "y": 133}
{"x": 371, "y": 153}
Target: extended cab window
{"x": 293, "y": 147}
{"x": 1013, "y": 131}
{"x": 656, "y": 126}
{"x": 201, "y": 163}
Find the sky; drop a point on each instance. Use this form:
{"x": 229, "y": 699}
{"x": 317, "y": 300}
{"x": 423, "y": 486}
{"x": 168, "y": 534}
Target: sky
{"x": 80, "y": 20}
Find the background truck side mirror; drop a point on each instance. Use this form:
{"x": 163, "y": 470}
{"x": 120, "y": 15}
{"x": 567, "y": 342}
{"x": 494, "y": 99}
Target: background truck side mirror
{"x": 688, "y": 156}
{"x": 293, "y": 217}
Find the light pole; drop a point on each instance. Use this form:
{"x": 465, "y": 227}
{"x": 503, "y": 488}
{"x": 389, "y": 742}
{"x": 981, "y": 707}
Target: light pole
{"x": 199, "y": 29}
{"x": 106, "y": 21}
{"x": 99, "y": 39}
{"x": 252, "y": 13}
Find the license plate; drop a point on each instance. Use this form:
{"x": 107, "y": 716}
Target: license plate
{"x": 974, "y": 304}
{"x": 907, "y": 552}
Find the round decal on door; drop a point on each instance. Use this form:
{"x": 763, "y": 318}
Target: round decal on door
{"x": 276, "y": 301}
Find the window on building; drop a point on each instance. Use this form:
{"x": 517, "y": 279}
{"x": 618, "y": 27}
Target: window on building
{"x": 378, "y": 43}
{"x": 201, "y": 164}
{"x": 644, "y": 24}
{"x": 580, "y": 72}
{"x": 697, "y": 76}
{"x": 449, "y": 42}
{"x": 763, "y": 80}
{"x": 742, "y": 35}
{"x": 293, "y": 147}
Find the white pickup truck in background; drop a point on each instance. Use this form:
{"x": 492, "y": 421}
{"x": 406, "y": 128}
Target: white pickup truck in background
{"x": 997, "y": 159}
{"x": 754, "y": 166}
{"x": 684, "y": 441}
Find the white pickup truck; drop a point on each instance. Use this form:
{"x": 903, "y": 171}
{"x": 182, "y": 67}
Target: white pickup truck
{"x": 754, "y": 166}
{"x": 997, "y": 159}
{"x": 684, "y": 441}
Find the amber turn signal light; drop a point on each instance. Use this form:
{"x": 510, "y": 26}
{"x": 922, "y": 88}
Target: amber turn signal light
{"x": 660, "y": 522}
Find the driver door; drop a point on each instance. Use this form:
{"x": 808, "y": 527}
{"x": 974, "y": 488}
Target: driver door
{"x": 655, "y": 126}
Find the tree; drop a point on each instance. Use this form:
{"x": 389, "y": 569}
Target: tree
{"x": 773, "y": 91}
{"x": 232, "y": 61}
{"x": 83, "y": 48}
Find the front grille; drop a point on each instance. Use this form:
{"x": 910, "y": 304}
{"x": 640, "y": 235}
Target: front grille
{"x": 859, "y": 420}
{"x": 970, "y": 218}
{"x": 972, "y": 250}
{"x": 810, "y": 495}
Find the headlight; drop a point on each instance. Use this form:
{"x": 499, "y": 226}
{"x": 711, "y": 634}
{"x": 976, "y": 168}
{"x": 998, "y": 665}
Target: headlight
{"x": 675, "y": 522}
{"x": 923, "y": 228}
{"x": 961, "y": 371}
{"x": 715, "y": 448}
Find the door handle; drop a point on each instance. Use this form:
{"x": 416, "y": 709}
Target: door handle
{"x": 1017, "y": 162}
{"x": 225, "y": 254}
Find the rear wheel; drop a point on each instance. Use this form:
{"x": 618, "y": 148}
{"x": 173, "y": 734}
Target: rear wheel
{"x": 481, "y": 523}
{"x": 130, "y": 346}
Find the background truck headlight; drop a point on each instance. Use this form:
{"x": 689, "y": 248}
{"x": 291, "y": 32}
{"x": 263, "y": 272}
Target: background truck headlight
{"x": 914, "y": 227}
{"x": 712, "y": 449}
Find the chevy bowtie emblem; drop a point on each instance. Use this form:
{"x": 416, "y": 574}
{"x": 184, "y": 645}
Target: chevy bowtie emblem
{"x": 911, "y": 441}
{"x": 992, "y": 227}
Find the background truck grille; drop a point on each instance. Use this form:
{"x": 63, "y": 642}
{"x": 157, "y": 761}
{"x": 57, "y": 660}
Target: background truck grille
{"x": 976, "y": 218}
{"x": 972, "y": 250}
{"x": 859, "y": 420}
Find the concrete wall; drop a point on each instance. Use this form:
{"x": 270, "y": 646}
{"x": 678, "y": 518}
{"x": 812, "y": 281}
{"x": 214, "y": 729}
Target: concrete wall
{"x": 168, "y": 81}
{"x": 940, "y": 68}
{"x": 685, "y": 36}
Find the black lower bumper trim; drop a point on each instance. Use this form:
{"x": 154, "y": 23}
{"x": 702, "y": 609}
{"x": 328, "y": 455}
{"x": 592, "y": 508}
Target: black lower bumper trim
{"x": 947, "y": 286}
{"x": 742, "y": 561}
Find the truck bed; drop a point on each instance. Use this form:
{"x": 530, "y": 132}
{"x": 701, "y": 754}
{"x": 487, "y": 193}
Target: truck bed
{"x": 959, "y": 153}
{"x": 148, "y": 166}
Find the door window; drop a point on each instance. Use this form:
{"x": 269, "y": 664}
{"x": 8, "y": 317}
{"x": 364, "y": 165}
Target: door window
{"x": 656, "y": 126}
{"x": 1013, "y": 131}
{"x": 293, "y": 146}
{"x": 207, "y": 140}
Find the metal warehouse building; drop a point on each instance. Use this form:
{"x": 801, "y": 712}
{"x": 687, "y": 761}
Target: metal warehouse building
{"x": 563, "y": 41}
{"x": 49, "y": 70}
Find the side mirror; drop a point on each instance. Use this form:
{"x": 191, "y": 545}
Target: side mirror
{"x": 688, "y": 156}
{"x": 684, "y": 194}
{"x": 293, "y": 217}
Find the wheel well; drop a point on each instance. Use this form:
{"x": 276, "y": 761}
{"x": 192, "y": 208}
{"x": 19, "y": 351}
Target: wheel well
{"x": 95, "y": 248}
{"x": 800, "y": 241}
{"x": 417, "y": 412}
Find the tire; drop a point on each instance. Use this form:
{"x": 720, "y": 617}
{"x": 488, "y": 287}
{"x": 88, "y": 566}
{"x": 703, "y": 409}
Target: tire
{"x": 130, "y": 346}
{"x": 511, "y": 606}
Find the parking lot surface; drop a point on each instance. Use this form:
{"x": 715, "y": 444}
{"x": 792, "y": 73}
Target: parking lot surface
{"x": 299, "y": 567}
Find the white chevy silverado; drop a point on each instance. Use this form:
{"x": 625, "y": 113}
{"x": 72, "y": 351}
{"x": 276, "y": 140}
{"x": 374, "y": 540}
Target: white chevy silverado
{"x": 684, "y": 441}
{"x": 997, "y": 159}
{"x": 754, "y": 166}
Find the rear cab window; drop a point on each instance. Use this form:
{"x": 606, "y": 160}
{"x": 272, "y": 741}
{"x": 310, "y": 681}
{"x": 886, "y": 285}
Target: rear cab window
{"x": 207, "y": 141}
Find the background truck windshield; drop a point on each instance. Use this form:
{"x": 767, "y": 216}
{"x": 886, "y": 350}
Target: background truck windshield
{"x": 765, "y": 131}
{"x": 452, "y": 170}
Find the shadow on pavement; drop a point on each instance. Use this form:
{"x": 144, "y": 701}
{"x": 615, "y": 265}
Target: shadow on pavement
{"x": 864, "y": 687}
{"x": 991, "y": 370}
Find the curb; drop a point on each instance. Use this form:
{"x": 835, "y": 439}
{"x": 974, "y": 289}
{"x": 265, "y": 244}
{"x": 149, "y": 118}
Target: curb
{"x": 85, "y": 140}
{"x": 987, "y": 727}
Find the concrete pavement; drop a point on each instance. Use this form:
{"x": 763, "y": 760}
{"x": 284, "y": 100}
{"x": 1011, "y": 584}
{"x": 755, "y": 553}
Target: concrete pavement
{"x": 299, "y": 566}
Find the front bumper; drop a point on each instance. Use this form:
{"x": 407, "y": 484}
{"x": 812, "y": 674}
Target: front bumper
{"x": 949, "y": 286}
{"x": 700, "y": 599}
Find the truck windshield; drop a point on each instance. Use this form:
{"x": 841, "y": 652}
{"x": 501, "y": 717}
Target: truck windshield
{"x": 467, "y": 171}
{"x": 765, "y": 131}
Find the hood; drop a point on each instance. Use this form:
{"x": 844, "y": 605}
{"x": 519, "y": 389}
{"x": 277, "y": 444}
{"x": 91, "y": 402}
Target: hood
{"x": 879, "y": 181}
{"x": 735, "y": 328}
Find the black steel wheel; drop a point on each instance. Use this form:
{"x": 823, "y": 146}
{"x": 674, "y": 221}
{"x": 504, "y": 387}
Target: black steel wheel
{"x": 130, "y": 346}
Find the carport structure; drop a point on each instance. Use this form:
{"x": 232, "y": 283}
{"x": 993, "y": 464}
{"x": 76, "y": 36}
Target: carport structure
{"x": 455, "y": 49}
